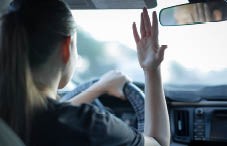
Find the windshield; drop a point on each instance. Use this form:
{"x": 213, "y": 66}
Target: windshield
{"x": 196, "y": 54}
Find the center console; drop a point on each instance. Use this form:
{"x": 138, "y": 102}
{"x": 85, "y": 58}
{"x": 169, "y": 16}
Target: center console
{"x": 198, "y": 124}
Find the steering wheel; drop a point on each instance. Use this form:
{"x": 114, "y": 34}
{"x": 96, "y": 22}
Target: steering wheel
{"x": 133, "y": 93}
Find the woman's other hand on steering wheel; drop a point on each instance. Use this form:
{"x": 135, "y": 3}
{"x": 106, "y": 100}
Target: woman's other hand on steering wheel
{"x": 150, "y": 54}
{"x": 113, "y": 82}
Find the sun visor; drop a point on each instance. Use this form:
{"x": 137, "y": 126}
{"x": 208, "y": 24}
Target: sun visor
{"x": 111, "y": 4}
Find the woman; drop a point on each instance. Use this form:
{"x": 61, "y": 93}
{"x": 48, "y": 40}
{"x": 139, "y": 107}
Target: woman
{"x": 37, "y": 56}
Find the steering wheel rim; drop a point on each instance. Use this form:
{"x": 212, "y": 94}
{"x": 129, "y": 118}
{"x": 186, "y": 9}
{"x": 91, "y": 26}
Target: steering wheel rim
{"x": 136, "y": 98}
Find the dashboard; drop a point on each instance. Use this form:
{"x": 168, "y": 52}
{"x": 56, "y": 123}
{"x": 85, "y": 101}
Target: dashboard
{"x": 193, "y": 121}
{"x": 121, "y": 109}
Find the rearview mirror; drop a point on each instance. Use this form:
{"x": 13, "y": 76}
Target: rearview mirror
{"x": 194, "y": 13}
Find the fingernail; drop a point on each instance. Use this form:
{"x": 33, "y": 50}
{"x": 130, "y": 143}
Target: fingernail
{"x": 164, "y": 46}
{"x": 155, "y": 12}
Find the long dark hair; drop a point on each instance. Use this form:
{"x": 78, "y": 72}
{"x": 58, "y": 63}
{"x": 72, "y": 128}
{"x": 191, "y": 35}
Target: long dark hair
{"x": 30, "y": 32}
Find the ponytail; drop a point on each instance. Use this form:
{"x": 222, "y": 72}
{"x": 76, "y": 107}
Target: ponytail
{"x": 16, "y": 103}
{"x": 28, "y": 38}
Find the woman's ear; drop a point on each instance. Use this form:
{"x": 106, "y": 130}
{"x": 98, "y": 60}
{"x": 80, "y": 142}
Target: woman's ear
{"x": 65, "y": 50}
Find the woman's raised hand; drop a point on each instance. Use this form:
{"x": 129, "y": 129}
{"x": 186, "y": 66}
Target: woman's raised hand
{"x": 150, "y": 54}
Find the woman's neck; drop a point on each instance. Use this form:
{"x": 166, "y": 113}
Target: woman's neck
{"x": 47, "y": 86}
{"x": 47, "y": 91}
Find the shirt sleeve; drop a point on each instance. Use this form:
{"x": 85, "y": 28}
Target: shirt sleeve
{"x": 102, "y": 128}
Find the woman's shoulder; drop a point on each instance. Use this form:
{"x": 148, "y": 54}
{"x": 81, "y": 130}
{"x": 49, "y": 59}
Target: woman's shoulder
{"x": 73, "y": 116}
{"x": 60, "y": 124}
{"x": 64, "y": 111}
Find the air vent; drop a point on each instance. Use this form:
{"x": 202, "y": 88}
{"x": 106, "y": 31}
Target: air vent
{"x": 181, "y": 123}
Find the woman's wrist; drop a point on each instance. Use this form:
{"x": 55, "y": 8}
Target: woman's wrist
{"x": 152, "y": 71}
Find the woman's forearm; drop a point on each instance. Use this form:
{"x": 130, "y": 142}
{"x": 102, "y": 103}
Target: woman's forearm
{"x": 88, "y": 95}
{"x": 110, "y": 83}
{"x": 156, "y": 113}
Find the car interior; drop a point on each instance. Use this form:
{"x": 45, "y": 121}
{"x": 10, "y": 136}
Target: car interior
{"x": 194, "y": 71}
{"x": 8, "y": 137}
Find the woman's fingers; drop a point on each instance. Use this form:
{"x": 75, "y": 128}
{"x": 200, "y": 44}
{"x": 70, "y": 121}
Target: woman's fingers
{"x": 135, "y": 33}
{"x": 146, "y": 29}
{"x": 147, "y": 22}
{"x": 161, "y": 52}
{"x": 154, "y": 31}
{"x": 142, "y": 28}
{"x": 154, "y": 27}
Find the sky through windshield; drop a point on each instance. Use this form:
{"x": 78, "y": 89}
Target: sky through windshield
{"x": 196, "y": 54}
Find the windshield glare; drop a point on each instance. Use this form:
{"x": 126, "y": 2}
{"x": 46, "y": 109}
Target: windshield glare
{"x": 196, "y": 54}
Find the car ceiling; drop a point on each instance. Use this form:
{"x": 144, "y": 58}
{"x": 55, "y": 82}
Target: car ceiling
{"x": 100, "y": 4}
{"x": 105, "y": 4}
